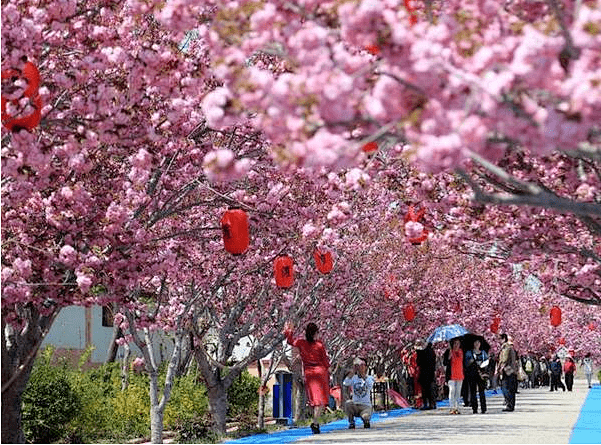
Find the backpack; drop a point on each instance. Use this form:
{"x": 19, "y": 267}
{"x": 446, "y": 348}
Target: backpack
{"x": 528, "y": 367}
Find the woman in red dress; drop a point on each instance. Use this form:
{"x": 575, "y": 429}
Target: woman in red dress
{"x": 316, "y": 369}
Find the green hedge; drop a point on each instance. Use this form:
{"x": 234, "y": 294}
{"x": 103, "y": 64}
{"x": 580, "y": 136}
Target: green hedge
{"x": 63, "y": 403}
{"x": 49, "y": 404}
{"x": 243, "y": 395}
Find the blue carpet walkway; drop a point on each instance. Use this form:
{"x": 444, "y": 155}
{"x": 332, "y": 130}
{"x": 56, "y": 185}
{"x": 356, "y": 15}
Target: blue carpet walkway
{"x": 292, "y": 434}
{"x": 588, "y": 426}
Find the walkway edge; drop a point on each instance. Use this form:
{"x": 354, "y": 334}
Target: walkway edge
{"x": 588, "y": 426}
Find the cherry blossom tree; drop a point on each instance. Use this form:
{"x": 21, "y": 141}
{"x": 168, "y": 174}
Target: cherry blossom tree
{"x": 329, "y": 123}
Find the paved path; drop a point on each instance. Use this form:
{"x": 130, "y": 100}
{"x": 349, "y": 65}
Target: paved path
{"x": 540, "y": 417}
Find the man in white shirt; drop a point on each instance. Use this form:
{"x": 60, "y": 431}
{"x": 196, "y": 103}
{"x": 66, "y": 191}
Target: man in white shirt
{"x": 361, "y": 385}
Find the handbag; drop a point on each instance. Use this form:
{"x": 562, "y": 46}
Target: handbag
{"x": 522, "y": 374}
{"x": 483, "y": 370}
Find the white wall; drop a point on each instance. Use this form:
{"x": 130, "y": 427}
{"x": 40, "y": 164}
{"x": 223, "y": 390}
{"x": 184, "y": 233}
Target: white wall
{"x": 69, "y": 332}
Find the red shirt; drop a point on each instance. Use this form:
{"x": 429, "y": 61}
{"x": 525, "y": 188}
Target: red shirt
{"x": 312, "y": 353}
{"x": 569, "y": 367}
{"x": 456, "y": 364}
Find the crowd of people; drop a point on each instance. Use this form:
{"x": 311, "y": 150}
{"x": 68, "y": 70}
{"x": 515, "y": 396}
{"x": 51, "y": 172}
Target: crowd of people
{"x": 468, "y": 371}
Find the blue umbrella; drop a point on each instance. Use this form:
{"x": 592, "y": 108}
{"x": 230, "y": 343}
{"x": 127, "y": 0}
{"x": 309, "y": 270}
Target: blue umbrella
{"x": 444, "y": 333}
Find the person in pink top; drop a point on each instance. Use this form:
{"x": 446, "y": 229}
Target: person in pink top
{"x": 453, "y": 360}
{"x": 315, "y": 368}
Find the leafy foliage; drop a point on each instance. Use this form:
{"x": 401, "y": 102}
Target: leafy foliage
{"x": 198, "y": 428}
{"x": 49, "y": 404}
{"x": 68, "y": 404}
{"x": 243, "y": 395}
{"x": 188, "y": 402}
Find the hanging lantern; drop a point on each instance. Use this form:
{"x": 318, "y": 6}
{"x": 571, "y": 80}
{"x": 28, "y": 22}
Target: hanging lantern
{"x": 496, "y": 323}
{"x": 591, "y": 326}
{"x": 30, "y": 74}
{"x": 414, "y": 217}
{"x": 26, "y": 121}
{"x": 555, "y": 316}
{"x": 370, "y": 147}
{"x": 411, "y": 11}
{"x": 234, "y": 225}
{"x": 409, "y": 312}
{"x": 323, "y": 261}
{"x": 373, "y": 49}
{"x": 284, "y": 271}
{"x": 562, "y": 341}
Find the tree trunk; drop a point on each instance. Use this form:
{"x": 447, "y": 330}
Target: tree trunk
{"x": 218, "y": 406}
{"x": 156, "y": 424}
{"x": 111, "y": 353}
{"x": 157, "y": 407}
{"x": 19, "y": 348}
{"x": 12, "y": 428}
{"x": 261, "y": 415}
{"x": 299, "y": 412}
{"x": 124, "y": 368}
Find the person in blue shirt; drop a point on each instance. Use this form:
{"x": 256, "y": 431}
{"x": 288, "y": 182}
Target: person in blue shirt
{"x": 475, "y": 361}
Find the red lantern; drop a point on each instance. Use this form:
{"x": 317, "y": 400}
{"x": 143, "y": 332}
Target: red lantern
{"x": 555, "y": 316}
{"x": 496, "y": 323}
{"x": 373, "y": 49}
{"x": 234, "y": 225}
{"x": 323, "y": 261}
{"x": 591, "y": 326}
{"x": 562, "y": 341}
{"x": 409, "y": 312}
{"x": 411, "y": 11}
{"x": 415, "y": 217}
{"x": 27, "y": 121}
{"x": 31, "y": 75}
{"x": 370, "y": 147}
{"x": 284, "y": 271}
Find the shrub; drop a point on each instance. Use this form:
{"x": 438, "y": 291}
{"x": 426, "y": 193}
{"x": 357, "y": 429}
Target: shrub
{"x": 243, "y": 395}
{"x": 49, "y": 404}
{"x": 188, "y": 401}
{"x": 96, "y": 387}
{"x": 131, "y": 411}
{"x": 198, "y": 429}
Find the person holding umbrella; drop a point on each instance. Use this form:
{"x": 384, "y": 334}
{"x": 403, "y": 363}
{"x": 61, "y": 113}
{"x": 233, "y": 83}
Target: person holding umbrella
{"x": 453, "y": 360}
{"x": 475, "y": 360}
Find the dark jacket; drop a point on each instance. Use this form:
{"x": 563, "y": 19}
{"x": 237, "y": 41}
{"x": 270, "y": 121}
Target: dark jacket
{"x": 426, "y": 360}
{"x": 555, "y": 367}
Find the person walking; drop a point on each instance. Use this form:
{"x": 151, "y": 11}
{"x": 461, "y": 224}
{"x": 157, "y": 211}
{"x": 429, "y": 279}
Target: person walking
{"x": 316, "y": 366}
{"x": 569, "y": 368}
{"x": 544, "y": 372}
{"x": 507, "y": 368}
{"x": 555, "y": 370}
{"x": 529, "y": 369}
{"x": 474, "y": 358}
{"x": 426, "y": 361}
{"x": 587, "y": 363}
{"x": 453, "y": 360}
{"x": 361, "y": 385}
